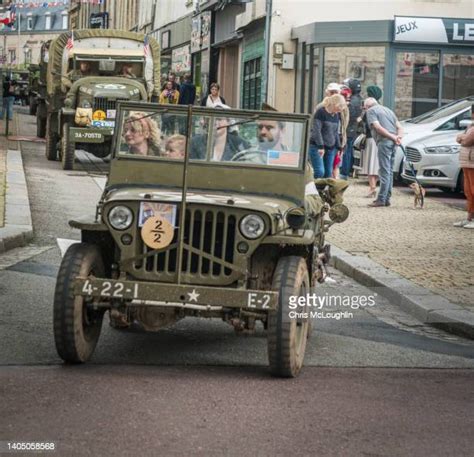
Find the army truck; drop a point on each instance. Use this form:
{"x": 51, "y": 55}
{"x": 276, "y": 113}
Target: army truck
{"x": 33, "y": 88}
{"x": 205, "y": 213}
{"x": 87, "y": 72}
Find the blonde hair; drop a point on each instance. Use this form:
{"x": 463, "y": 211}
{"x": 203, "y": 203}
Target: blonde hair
{"x": 143, "y": 123}
{"x": 176, "y": 138}
{"x": 335, "y": 101}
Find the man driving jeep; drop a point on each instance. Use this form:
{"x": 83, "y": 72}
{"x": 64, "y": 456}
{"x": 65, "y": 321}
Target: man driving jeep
{"x": 270, "y": 135}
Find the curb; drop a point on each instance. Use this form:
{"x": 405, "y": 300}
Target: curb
{"x": 422, "y": 303}
{"x": 18, "y": 229}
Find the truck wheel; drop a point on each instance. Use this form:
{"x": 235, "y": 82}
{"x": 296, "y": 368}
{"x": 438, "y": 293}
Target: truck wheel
{"x": 51, "y": 143}
{"x": 101, "y": 150}
{"x": 32, "y": 104}
{"x": 287, "y": 337}
{"x": 68, "y": 149}
{"x": 76, "y": 328}
{"x": 40, "y": 127}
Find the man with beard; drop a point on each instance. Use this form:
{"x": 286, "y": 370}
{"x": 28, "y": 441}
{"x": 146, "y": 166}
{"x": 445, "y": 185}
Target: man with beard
{"x": 270, "y": 135}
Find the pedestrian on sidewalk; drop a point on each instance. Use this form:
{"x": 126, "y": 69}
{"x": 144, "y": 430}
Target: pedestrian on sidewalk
{"x": 325, "y": 136}
{"x": 387, "y": 133}
{"x": 187, "y": 96}
{"x": 466, "y": 161}
{"x": 370, "y": 164}
{"x": 355, "y": 111}
{"x": 8, "y": 98}
{"x": 214, "y": 98}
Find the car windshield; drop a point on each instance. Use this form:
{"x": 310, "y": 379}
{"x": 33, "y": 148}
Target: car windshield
{"x": 220, "y": 137}
{"x": 442, "y": 112}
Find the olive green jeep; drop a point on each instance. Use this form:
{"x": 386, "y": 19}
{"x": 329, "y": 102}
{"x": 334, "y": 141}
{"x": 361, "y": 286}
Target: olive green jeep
{"x": 206, "y": 212}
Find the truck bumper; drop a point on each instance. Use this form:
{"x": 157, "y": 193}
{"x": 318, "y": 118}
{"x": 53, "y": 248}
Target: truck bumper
{"x": 140, "y": 293}
{"x": 89, "y": 135}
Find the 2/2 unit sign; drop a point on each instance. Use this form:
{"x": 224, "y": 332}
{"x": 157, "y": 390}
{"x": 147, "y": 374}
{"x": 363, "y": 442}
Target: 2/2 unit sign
{"x": 434, "y": 30}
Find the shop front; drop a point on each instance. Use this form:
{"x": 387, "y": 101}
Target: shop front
{"x": 418, "y": 69}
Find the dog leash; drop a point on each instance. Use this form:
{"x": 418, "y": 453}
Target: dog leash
{"x": 412, "y": 169}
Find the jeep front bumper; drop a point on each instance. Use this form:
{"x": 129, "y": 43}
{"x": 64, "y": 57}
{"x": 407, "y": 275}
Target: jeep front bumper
{"x": 140, "y": 293}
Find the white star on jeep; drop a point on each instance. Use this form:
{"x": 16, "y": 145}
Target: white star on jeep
{"x": 193, "y": 296}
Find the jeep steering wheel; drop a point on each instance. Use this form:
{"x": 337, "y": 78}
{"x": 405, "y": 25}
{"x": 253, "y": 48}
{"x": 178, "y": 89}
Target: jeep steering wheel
{"x": 250, "y": 156}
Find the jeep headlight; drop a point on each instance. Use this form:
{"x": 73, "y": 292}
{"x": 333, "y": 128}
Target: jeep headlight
{"x": 252, "y": 226}
{"x": 120, "y": 217}
{"x": 443, "y": 150}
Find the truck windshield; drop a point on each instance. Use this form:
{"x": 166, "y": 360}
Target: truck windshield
{"x": 217, "y": 137}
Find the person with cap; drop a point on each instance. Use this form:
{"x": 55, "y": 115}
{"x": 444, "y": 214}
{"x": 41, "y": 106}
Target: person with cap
{"x": 370, "y": 164}
{"x": 355, "y": 111}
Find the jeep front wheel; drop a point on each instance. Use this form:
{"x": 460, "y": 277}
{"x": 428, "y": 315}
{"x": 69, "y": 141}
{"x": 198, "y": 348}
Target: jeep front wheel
{"x": 77, "y": 326}
{"x": 68, "y": 149}
{"x": 287, "y": 336}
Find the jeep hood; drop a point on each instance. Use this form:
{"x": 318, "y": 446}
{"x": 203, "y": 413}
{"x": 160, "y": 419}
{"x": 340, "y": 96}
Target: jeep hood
{"x": 268, "y": 205}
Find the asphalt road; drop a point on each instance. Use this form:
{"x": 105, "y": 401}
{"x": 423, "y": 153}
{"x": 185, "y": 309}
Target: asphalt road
{"x": 379, "y": 383}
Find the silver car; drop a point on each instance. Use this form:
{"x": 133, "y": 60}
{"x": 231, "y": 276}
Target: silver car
{"x": 431, "y": 139}
{"x": 430, "y": 145}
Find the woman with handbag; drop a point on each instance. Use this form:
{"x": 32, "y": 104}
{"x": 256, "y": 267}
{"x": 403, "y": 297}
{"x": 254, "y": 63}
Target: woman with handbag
{"x": 466, "y": 161}
{"x": 370, "y": 164}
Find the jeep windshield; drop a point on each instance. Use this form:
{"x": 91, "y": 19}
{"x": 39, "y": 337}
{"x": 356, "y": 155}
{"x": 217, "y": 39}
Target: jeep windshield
{"x": 96, "y": 65}
{"x": 224, "y": 136}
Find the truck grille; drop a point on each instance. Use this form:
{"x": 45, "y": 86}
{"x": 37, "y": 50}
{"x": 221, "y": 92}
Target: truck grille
{"x": 212, "y": 233}
{"x": 105, "y": 104}
{"x": 413, "y": 155}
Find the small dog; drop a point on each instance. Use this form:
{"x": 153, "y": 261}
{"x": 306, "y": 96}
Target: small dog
{"x": 419, "y": 195}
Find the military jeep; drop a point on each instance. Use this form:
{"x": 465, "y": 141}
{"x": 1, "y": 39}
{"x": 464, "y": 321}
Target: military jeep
{"x": 206, "y": 212}
{"x": 83, "y": 83}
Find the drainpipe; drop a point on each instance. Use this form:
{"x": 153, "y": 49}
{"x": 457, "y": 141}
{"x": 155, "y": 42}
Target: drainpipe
{"x": 266, "y": 57}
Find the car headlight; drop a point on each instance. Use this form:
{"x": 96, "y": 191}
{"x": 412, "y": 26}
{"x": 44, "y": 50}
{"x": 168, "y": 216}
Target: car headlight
{"x": 252, "y": 226}
{"x": 120, "y": 217}
{"x": 443, "y": 150}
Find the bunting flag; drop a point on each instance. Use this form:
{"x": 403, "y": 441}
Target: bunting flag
{"x": 146, "y": 47}
{"x": 70, "y": 42}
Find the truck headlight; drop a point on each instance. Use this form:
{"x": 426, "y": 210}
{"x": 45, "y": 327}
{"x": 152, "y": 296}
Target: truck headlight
{"x": 120, "y": 217}
{"x": 252, "y": 226}
{"x": 443, "y": 150}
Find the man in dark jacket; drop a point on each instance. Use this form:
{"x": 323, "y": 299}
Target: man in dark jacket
{"x": 8, "y": 98}
{"x": 355, "y": 111}
{"x": 187, "y": 92}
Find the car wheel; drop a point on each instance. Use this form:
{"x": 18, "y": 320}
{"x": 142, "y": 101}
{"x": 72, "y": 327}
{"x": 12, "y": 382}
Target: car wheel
{"x": 76, "y": 326}
{"x": 460, "y": 183}
{"x": 68, "y": 149}
{"x": 287, "y": 337}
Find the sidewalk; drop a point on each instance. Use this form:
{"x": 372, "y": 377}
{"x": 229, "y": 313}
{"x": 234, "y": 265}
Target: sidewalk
{"x": 15, "y": 216}
{"x": 401, "y": 243}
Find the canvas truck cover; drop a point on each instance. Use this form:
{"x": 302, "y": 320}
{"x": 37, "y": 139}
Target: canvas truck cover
{"x": 130, "y": 43}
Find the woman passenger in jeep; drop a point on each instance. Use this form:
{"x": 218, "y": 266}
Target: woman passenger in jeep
{"x": 142, "y": 135}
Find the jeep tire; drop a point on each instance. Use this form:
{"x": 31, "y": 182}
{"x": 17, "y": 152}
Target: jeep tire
{"x": 76, "y": 327}
{"x": 68, "y": 149}
{"x": 287, "y": 337}
{"x": 51, "y": 142}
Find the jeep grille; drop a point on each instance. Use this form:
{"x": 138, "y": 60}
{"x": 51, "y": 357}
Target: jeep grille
{"x": 105, "y": 104}
{"x": 208, "y": 251}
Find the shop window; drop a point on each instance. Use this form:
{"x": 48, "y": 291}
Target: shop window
{"x": 29, "y": 23}
{"x": 251, "y": 95}
{"x": 416, "y": 83}
{"x": 458, "y": 77}
{"x": 367, "y": 64}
